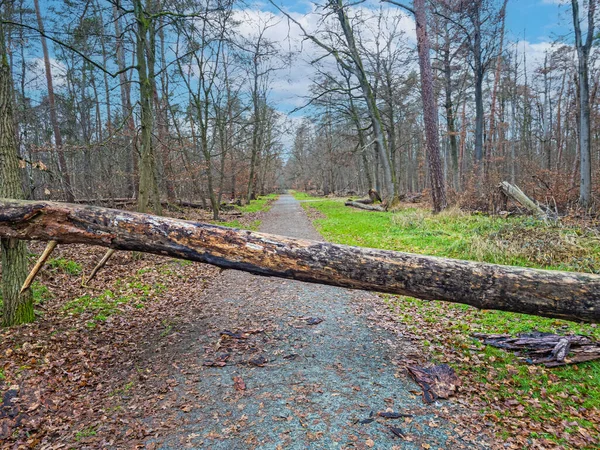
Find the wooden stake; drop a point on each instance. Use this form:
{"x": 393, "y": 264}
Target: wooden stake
{"x": 99, "y": 266}
{"x": 38, "y": 265}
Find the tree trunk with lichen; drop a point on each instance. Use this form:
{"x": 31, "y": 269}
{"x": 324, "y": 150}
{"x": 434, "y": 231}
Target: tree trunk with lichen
{"x": 16, "y": 308}
{"x": 566, "y": 295}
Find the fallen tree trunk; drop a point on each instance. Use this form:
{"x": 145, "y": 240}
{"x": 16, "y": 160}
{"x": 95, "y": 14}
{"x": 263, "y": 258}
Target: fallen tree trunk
{"x": 364, "y": 206}
{"x": 513, "y": 192}
{"x": 551, "y": 350}
{"x": 568, "y": 295}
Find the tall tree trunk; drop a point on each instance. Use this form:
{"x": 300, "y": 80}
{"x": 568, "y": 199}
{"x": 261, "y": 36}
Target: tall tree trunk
{"x": 66, "y": 179}
{"x": 448, "y": 105}
{"x": 126, "y": 110}
{"x": 255, "y": 150}
{"x": 583, "y": 51}
{"x": 430, "y": 114}
{"x": 147, "y": 176}
{"x": 16, "y": 307}
{"x": 479, "y": 73}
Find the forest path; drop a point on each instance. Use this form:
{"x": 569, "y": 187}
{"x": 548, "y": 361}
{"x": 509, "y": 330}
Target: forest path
{"x": 307, "y": 385}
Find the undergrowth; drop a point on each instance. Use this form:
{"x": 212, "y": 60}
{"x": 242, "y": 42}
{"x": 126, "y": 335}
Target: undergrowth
{"x": 132, "y": 291}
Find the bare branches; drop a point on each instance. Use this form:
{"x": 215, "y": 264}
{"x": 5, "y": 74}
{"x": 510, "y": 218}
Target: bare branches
{"x": 401, "y": 5}
{"x": 69, "y": 47}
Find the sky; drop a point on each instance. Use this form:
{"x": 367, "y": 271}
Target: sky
{"x": 532, "y": 24}
{"x": 538, "y": 20}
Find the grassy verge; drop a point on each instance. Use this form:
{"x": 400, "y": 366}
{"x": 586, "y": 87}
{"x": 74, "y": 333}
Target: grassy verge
{"x": 261, "y": 204}
{"x": 302, "y": 196}
{"x": 529, "y": 405}
{"x": 256, "y": 207}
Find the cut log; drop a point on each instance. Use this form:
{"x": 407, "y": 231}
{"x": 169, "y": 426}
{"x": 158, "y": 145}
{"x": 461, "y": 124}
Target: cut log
{"x": 364, "y": 201}
{"x": 374, "y": 196}
{"x": 567, "y": 295}
{"x": 513, "y": 192}
{"x": 363, "y": 206}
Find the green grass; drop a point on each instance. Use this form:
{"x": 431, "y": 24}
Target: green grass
{"x": 303, "y": 196}
{"x": 101, "y": 306}
{"x": 132, "y": 291}
{"x": 41, "y": 293}
{"x": 65, "y": 265}
{"x": 542, "y": 395}
{"x": 520, "y": 241}
{"x": 261, "y": 204}
{"x": 86, "y": 432}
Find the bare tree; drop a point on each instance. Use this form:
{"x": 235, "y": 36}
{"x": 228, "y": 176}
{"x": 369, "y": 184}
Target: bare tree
{"x": 64, "y": 171}
{"x": 430, "y": 114}
{"x": 583, "y": 52}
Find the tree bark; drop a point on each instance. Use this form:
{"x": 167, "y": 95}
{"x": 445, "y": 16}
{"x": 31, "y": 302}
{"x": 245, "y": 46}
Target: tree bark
{"x": 583, "y": 51}
{"x": 145, "y": 69}
{"x": 567, "y": 295}
{"x": 16, "y": 307}
{"x": 430, "y": 114}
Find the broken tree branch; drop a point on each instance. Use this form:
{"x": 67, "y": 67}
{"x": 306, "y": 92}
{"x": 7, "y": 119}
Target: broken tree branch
{"x": 567, "y": 295}
{"x": 362, "y": 205}
{"x": 512, "y": 191}
{"x": 38, "y": 265}
{"x": 99, "y": 266}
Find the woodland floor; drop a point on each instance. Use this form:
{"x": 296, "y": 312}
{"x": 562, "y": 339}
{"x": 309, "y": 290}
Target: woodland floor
{"x": 169, "y": 354}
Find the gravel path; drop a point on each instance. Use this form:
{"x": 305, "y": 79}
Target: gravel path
{"x": 300, "y": 366}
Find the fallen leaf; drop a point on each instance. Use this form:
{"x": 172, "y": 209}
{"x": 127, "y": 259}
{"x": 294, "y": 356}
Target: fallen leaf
{"x": 239, "y": 384}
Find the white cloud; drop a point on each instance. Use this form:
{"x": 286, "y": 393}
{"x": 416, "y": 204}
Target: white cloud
{"x": 291, "y": 85}
{"x": 36, "y": 76}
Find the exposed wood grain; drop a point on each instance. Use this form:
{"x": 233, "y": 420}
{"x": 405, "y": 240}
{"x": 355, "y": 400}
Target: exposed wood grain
{"x": 519, "y": 196}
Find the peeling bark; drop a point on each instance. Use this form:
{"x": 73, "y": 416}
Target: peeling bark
{"x": 567, "y": 295}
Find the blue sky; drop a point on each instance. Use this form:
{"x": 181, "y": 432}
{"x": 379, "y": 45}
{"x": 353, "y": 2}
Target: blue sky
{"x": 538, "y": 20}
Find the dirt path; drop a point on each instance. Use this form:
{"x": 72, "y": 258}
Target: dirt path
{"x": 299, "y": 366}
